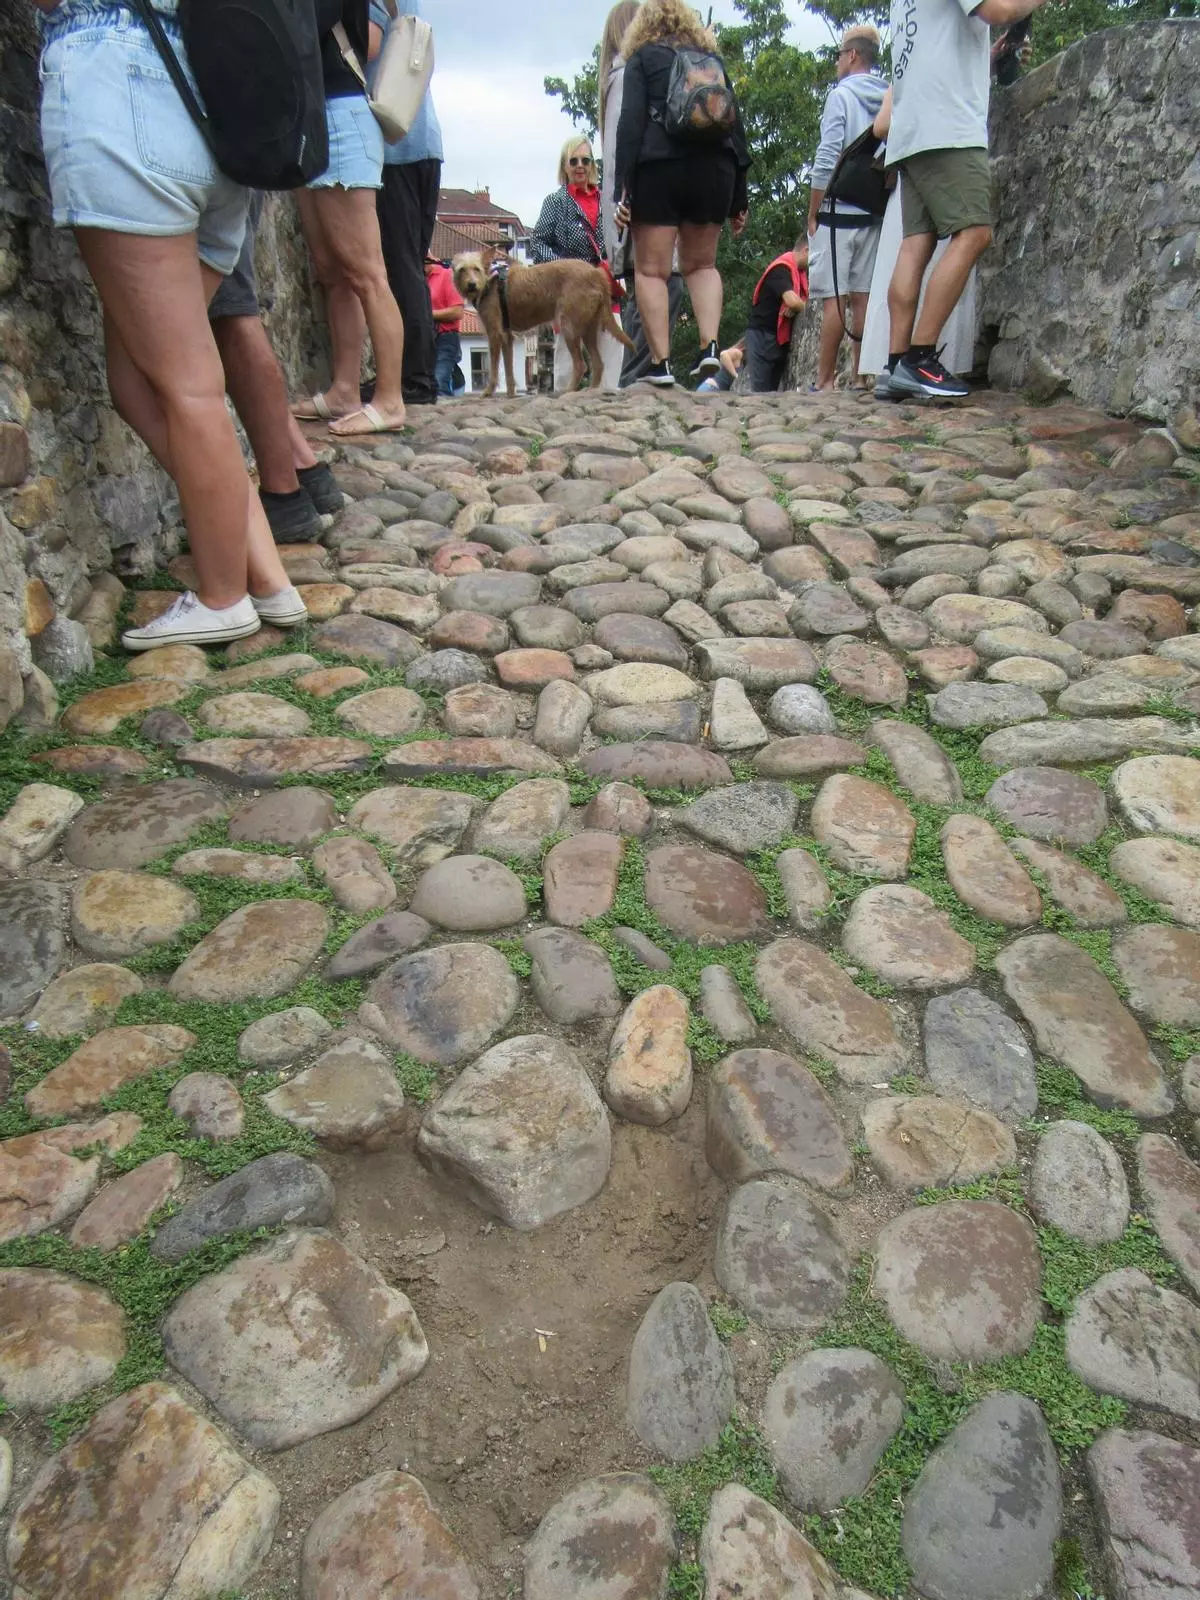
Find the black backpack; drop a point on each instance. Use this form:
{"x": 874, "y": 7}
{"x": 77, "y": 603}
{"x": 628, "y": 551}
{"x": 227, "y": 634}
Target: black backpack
{"x": 257, "y": 65}
{"x": 700, "y": 103}
{"x": 858, "y": 179}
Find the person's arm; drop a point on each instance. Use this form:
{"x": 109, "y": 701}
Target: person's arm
{"x": 632, "y": 125}
{"x": 374, "y": 40}
{"x": 1001, "y": 12}
{"x": 882, "y": 125}
{"x": 542, "y": 241}
{"x": 449, "y": 313}
{"x": 833, "y": 137}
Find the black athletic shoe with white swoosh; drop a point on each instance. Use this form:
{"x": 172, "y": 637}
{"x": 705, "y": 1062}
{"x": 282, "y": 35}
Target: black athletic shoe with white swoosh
{"x": 927, "y": 377}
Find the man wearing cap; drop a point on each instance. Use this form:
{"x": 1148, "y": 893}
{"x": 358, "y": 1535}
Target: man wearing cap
{"x": 850, "y": 108}
{"x": 447, "y": 306}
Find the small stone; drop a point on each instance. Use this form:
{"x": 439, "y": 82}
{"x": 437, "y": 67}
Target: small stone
{"x": 355, "y": 873}
{"x": 680, "y": 1392}
{"x": 124, "y": 913}
{"x": 563, "y": 710}
{"x": 805, "y": 888}
{"x": 381, "y": 1537}
{"x": 61, "y": 1337}
{"x": 925, "y": 1142}
{"x": 280, "y": 1379}
{"x": 1171, "y": 1185}
{"x": 609, "y": 1538}
{"x": 480, "y": 710}
{"x": 255, "y": 763}
{"x": 261, "y": 715}
{"x": 817, "y": 1004}
{"x": 649, "y": 1076}
{"x": 381, "y": 941}
{"x": 350, "y": 1098}
{"x": 642, "y": 949}
{"x": 767, "y": 1113}
{"x": 901, "y": 936}
{"x": 124, "y": 1207}
{"x": 1078, "y": 1185}
{"x": 865, "y": 828}
{"x": 1041, "y": 676}
{"x": 83, "y": 1000}
{"x": 281, "y": 1037}
{"x": 210, "y": 1105}
{"x": 521, "y": 1131}
{"x": 704, "y": 897}
{"x": 734, "y": 723}
{"x": 827, "y": 1418}
{"x": 572, "y": 978}
{"x": 34, "y": 823}
{"x": 442, "y": 1005}
{"x": 779, "y": 1258}
{"x": 749, "y": 1548}
{"x": 384, "y": 713}
{"x": 799, "y": 708}
{"x": 742, "y": 817}
{"x": 245, "y": 865}
{"x": 580, "y": 878}
{"x": 724, "y": 1006}
{"x": 256, "y": 953}
{"x": 358, "y": 638}
{"x": 1078, "y": 1019}
{"x": 985, "y": 875}
{"x": 974, "y": 1051}
{"x": 295, "y": 817}
{"x": 1165, "y": 870}
{"x": 102, "y": 1064}
{"x": 92, "y": 1517}
{"x": 943, "y": 664}
{"x": 275, "y": 1189}
{"x": 982, "y": 1520}
{"x": 1147, "y": 1494}
{"x": 63, "y": 650}
{"x": 1129, "y": 1337}
{"x": 678, "y": 720}
{"x": 619, "y": 808}
{"x": 325, "y": 682}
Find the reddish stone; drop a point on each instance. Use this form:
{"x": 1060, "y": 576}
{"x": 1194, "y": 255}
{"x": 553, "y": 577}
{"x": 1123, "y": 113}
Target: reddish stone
{"x": 14, "y": 455}
{"x": 532, "y": 669}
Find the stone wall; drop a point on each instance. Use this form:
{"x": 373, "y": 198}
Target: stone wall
{"x": 79, "y": 495}
{"x": 1093, "y": 284}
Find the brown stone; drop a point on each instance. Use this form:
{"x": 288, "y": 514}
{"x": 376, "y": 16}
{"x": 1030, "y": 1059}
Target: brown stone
{"x": 898, "y": 933}
{"x": 807, "y": 755}
{"x": 1079, "y": 891}
{"x": 14, "y": 455}
{"x": 1161, "y": 970}
{"x": 866, "y": 673}
{"x": 940, "y": 665}
{"x": 815, "y": 1001}
{"x": 122, "y": 913}
{"x": 257, "y": 952}
{"x": 649, "y": 1077}
{"x": 986, "y": 876}
{"x": 356, "y": 874}
{"x": 58, "y": 1337}
{"x": 262, "y": 763}
{"x": 469, "y": 630}
{"x": 1171, "y": 1185}
{"x": 924, "y": 1141}
{"x": 620, "y": 808}
{"x": 39, "y": 607}
{"x": 581, "y": 877}
{"x": 123, "y": 1207}
{"x": 93, "y": 760}
{"x": 325, "y": 682}
{"x": 767, "y": 1113}
{"x": 659, "y": 763}
{"x": 383, "y": 1537}
{"x": 703, "y": 896}
{"x": 103, "y": 710}
{"x": 476, "y": 756}
{"x": 83, "y": 999}
{"x": 103, "y": 1063}
{"x": 41, "y": 1184}
{"x": 532, "y": 669}
{"x": 186, "y": 663}
{"x": 865, "y": 827}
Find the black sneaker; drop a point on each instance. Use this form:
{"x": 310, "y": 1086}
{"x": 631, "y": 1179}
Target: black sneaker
{"x": 660, "y": 375}
{"x": 293, "y": 517}
{"x": 927, "y": 377}
{"x": 320, "y": 485}
{"x": 710, "y": 361}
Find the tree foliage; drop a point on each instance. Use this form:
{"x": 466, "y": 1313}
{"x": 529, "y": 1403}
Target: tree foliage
{"x": 581, "y": 97}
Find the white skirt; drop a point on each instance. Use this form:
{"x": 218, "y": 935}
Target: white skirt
{"x": 958, "y": 336}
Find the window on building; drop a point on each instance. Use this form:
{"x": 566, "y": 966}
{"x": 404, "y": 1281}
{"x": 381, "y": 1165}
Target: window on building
{"x": 481, "y": 368}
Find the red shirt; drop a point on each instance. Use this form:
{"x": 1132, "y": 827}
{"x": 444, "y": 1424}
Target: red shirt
{"x": 443, "y": 295}
{"x": 588, "y": 201}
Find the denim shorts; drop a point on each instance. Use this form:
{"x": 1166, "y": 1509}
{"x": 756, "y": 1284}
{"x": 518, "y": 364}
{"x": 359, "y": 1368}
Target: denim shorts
{"x": 355, "y": 145}
{"x": 121, "y": 150}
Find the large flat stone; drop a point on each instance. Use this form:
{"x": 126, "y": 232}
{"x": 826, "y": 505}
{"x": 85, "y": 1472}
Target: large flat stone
{"x": 1147, "y": 1494}
{"x": 1160, "y": 794}
{"x": 985, "y": 875}
{"x": 778, "y": 1256}
{"x": 1077, "y": 1184}
{"x": 762, "y": 663}
{"x": 572, "y": 978}
{"x": 257, "y": 952}
{"x": 135, "y": 826}
{"x": 103, "y": 1063}
{"x": 898, "y": 933}
{"x": 472, "y": 757}
{"x": 33, "y": 944}
{"x": 469, "y": 894}
{"x": 609, "y": 1538}
{"x": 442, "y": 1005}
{"x": 974, "y": 1051}
{"x": 680, "y": 1392}
{"x": 827, "y": 1418}
{"x": 1161, "y": 969}
{"x": 865, "y": 827}
{"x": 420, "y": 825}
{"x": 1129, "y": 1337}
{"x": 381, "y": 1538}
{"x": 659, "y": 764}
{"x": 262, "y": 763}
{"x": 349, "y": 1098}
{"x": 1171, "y": 1185}
{"x": 923, "y": 1141}
{"x": 817, "y": 1003}
{"x": 41, "y": 1185}
{"x": 703, "y": 896}
{"x": 274, "y": 1190}
{"x": 1044, "y": 803}
{"x": 749, "y": 1548}
{"x": 767, "y": 1113}
{"x": 295, "y": 1339}
{"x": 58, "y": 1337}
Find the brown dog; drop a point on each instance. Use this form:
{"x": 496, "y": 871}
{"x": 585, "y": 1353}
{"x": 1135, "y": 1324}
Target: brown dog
{"x": 571, "y": 294}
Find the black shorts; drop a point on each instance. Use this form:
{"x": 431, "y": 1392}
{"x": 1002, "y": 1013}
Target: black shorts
{"x": 237, "y": 295}
{"x": 696, "y": 189}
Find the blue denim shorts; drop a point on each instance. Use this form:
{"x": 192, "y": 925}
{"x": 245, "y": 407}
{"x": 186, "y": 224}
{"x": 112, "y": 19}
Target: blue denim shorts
{"x": 355, "y": 145}
{"x": 121, "y": 150}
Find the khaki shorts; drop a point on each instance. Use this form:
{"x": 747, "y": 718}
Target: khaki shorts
{"x": 945, "y": 191}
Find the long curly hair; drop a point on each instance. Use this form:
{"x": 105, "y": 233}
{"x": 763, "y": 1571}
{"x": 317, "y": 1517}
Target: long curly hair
{"x": 658, "y": 20}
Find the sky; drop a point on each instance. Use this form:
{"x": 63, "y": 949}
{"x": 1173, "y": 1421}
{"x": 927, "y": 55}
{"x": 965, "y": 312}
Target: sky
{"x": 500, "y": 130}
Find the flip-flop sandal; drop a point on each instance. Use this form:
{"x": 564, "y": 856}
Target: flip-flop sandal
{"x": 315, "y": 409}
{"x": 378, "y": 424}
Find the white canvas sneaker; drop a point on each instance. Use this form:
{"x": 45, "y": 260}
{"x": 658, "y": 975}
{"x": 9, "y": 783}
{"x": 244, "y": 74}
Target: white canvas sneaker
{"x": 188, "y": 621}
{"x": 283, "y": 609}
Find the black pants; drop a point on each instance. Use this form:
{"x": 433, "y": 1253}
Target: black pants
{"x": 407, "y": 206}
{"x": 638, "y": 361}
{"x": 766, "y": 361}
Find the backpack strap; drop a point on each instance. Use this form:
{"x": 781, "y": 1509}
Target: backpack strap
{"x": 153, "y": 24}
{"x": 350, "y": 55}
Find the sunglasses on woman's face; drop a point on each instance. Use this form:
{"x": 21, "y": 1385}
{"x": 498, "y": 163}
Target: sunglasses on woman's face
{"x": 579, "y": 161}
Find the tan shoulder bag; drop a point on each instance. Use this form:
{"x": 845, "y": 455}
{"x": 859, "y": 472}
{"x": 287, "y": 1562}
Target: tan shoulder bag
{"x": 402, "y": 72}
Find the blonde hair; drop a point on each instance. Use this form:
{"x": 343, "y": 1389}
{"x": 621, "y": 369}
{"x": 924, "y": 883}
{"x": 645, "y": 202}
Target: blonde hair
{"x": 615, "y": 25}
{"x": 571, "y": 144}
{"x": 666, "y": 19}
{"x": 864, "y": 39}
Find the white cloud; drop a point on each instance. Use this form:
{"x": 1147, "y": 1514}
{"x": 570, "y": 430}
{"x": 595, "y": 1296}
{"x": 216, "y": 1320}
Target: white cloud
{"x": 500, "y": 129}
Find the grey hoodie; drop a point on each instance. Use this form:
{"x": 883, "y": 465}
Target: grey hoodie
{"x": 850, "y": 106}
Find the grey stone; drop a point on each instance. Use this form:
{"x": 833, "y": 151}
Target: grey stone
{"x": 63, "y": 650}
{"x": 546, "y": 628}
{"x": 135, "y": 826}
{"x": 1129, "y": 1337}
{"x": 469, "y": 894}
{"x": 383, "y": 1536}
{"x": 420, "y": 825}
{"x": 444, "y": 670}
{"x": 757, "y": 663}
{"x": 522, "y": 1132}
{"x": 210, "y": 1105}
{"x": 496, "y": 594}
{"x": 282, "y": 1036}
{"x": 444, "y": 1004}
{"x": 380, "y": 941}
{"x": 61, "y": 1337}
{"x": 629, "y": 637}
{"x": 257, "y": 952}
{"x": 827, "y": 1418}
{"x": 903, "y": 938}
{"x": 609, "y": 1538}
{"x": 919, "y": 762}
{"x": 349, "y": 1098}
{"x": 805, "y": 888}
{"x": 659, "y": 764}
{"x": 779, "y": 1258}
{"x": 680, "y": 1392}
{"x": 572, "y": 978}
{"x": 799, "y": 708}
{"x": 742, "y": 817}
{"x": 923, "y": 1141}
{"x": 1047, "y": 804}
{"x": 642, "y": 949}
{"x": 984, "y": 705}
{"x": 749, "y": 1548}
{"x": 982, "y": 1519}
{"x": 1171, "y": 1186}
{"x": 975, "y": 1051}
{"x": 355, "y": 873}
{"x": 295, "y": 1339}
{"x": 33, "y": 942}
{"x": 563, "y": 710}
{"x": 816, "y": 1002}
{"x": 677, "y": 720}
{"x": 294, "y": 817}
{"x": 1147, "y": 1494}
{"x": 1078, "y": 744}
{"x": 361, "y": 638}
{"x": 733, "y": 722}
{"x": 275, "y": 1189}
{"x": 767, "y": 1113}
{"x": 724, "y": 1006}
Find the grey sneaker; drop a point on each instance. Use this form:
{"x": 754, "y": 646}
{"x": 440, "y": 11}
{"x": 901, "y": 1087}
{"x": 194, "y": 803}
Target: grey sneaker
{"x": 283, "y": 609}
{"x": 883, "y": 385}
{"x": 188, "y": 621}
{"x": 927, "y": 379}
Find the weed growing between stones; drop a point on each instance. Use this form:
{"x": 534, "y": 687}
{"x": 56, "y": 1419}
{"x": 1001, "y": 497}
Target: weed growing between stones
{"x": 515, "y": 953}
{"x": 1006, "y": 1186}
{"x": 727, "y": 1320}
{"x": 686, "y": 1582}
{"x": 418, "y": 1080}
{"x": 142, "y": 1286}
{"x": 1060, "y": 1097}
{"x": 739, "y": 1456}
{"x": 1180, "y": 1042}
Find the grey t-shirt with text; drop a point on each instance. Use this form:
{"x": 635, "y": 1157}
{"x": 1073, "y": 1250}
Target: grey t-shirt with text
{"x": 941, "y": 69}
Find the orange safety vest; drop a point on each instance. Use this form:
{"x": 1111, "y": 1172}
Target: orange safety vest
{"x": 783, "y": 328}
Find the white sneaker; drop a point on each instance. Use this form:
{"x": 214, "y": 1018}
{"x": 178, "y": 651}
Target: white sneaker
{"x": 188, "y": 621}
{"x": 283, "y": 609}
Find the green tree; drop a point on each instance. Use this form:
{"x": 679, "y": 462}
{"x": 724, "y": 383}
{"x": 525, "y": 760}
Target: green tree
{"x": 581, "y": 97}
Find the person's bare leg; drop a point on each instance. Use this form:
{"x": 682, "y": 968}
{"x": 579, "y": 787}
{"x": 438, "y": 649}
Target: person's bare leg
{"x": 342, "y": 395}
{"x": 904, "y": 291}
{"x": 858, "y": 321}
{"x": 351, "y": 224}
{"x": 256, "y": 387}
{"x": 169, "y": 380}
{"x": 698, "y": 264}
{"x": 947, "y": 282}
{"x": 831, "y": 343}
{"x": 303, "y": 454}
{"x": 653, "y": 248}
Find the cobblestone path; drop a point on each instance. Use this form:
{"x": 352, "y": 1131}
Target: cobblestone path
{"x": 652, "y": 1050}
